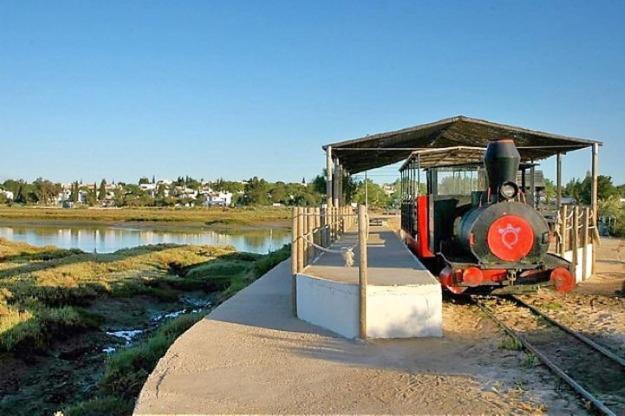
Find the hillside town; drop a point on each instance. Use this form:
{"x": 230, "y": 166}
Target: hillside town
{"x": 181, "y": 192}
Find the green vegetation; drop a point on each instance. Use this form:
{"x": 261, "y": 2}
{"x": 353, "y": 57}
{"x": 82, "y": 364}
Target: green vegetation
{"x": 530, "y": 361}
{"x": 611, "y": 210}
{"x": 127, "y": 370}
{"x": 510, "y": 343}
{"x": 51, "y": 297}
{"x": 183, "y": 192}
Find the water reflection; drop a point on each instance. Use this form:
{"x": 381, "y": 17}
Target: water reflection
{"x": 105, "y": 239}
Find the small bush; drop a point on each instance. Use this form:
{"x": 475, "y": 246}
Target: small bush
{"x": 34, "y": 330}
{"x": 268, "y": 262}
{"x": 217, "y": 268}
{"x": 530, "y": 361}
{"x": 510, "y": 343}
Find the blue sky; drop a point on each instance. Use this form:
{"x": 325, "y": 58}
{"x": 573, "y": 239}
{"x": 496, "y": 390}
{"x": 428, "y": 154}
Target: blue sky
{"x": 121, "y": 89}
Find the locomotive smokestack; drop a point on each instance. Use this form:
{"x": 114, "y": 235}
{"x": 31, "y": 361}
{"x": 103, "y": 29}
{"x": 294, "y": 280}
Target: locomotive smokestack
{"x": 502, "y": 163}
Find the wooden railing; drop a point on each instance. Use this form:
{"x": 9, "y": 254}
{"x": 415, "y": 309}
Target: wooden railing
{"x": 577, "y": 237}
{"x": 314, "y": 230}
{"x": 316, "y": 227}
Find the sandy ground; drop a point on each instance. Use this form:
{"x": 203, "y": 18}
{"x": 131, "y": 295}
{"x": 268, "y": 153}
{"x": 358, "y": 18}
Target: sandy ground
{"x": 251, "y": 356}
{"x": 609, "y": 278}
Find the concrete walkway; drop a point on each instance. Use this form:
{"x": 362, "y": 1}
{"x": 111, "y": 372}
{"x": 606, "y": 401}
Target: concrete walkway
{"x": 250, "y": 355}
{"x": 390, "y": 262}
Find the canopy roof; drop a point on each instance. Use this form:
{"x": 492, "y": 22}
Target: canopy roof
{"x": 447, "y": 156}
{"x": 377, "y": 150}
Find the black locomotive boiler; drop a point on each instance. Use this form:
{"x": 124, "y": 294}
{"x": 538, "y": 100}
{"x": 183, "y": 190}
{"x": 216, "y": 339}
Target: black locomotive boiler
{"x": 474, "y": 226}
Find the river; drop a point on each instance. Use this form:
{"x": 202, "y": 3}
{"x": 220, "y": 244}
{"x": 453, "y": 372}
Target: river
{"x": 107, "y": 239}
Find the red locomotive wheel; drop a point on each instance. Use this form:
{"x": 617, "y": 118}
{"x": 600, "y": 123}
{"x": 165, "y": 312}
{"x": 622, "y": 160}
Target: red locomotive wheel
{"x": 562, "y": 279}
{"x": 510, "y": 238}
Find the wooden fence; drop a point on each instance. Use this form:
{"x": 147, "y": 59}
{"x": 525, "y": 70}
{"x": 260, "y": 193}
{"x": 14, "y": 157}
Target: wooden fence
{"x": 316, "y": 226}
{"x": 576, "y": 238}
{"x": 314, "y": 230}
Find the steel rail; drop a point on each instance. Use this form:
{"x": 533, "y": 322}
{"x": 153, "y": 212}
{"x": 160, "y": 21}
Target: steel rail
{"x": 598, "y": 404}
{"x": 583, "y": 338}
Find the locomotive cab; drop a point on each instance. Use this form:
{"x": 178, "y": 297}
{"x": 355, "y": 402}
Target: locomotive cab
{"x": 474, "y": 224}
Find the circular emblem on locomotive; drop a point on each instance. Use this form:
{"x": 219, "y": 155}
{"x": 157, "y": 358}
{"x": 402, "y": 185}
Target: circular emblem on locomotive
{"x": 510, "y": 238}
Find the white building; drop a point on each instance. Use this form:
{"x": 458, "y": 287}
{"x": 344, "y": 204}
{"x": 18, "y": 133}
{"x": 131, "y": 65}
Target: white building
{"x": 149, "y": 188}
{"x": 7, "y": 194}
{"x": 220, "y": 198}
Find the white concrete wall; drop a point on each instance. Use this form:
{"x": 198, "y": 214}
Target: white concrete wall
{"x": 404, "y": 311}
{"x": 580, "y": 273}
{"x": 392, "y": 311}
{"x": 328, "y": 304}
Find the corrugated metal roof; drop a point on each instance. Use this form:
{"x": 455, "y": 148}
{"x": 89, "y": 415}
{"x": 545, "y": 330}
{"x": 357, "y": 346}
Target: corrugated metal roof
{"x": 377, "y": 150}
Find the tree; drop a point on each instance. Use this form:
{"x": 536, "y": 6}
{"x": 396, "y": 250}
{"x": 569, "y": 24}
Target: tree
{"x": 256, "y": 192}
{"x": 92, "y": 195}
{"x": 102, "y": 191}
{"x": 550, "y": 190}
{"x": 319, "y": 183}
{"x": 143, "y": 180}
{"x": 279, "y": 193}
{"x": 75, "y": 190}
{"x": 20, "y": 196}
{"x": 582, "y": 190}
{"x": 43, "y": 191}
{"x": 228, "y": 186}
{"x": 375, "y": 195}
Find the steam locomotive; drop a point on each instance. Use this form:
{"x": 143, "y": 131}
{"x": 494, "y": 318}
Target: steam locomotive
{"x": 491, "y": 237}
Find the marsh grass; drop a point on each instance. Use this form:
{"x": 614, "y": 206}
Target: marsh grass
{"x": 42, "y": 298}
{"x": 207, "y": 216}
{"x": 127, "y": 370}
{"x": 45, "y": 300}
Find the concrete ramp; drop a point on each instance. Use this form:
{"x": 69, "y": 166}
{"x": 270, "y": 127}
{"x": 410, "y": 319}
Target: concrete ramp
{"x": 404, "y": 300}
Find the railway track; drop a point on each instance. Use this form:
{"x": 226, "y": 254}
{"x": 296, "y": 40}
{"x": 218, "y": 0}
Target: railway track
{"x": 594, "y": 372}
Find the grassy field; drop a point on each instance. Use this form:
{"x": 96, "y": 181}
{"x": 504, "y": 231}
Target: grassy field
{"x": 206, "y": 216}
{"x": 56, "y": 303}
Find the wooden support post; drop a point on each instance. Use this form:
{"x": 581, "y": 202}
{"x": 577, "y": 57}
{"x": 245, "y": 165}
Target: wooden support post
{"x": 563, "y": 230}
{"x": 294, "y": 241}
{"x": 362, "y": 269}
{"x": 335, "y": 185}
{"x": 330, "y": 224}
{"x": 594, "y": 197}
{"x": 585, "y": 225}
{"x": 324, "y": 223}
{"x": 304, "y": 238}
{"x": 310, "y": 227}
{"x": 317, "y": 228}
{"x": 294, "y": 264}
{"x": 329, "y": 176}
{"x": 533, "y": 184}
{"x": 558, "y": 180}
{"x": 300, "y": 240}
{"x": 595, "y": 176}
{"x": 575, "y": 238}
{"x": 340, "y": 185}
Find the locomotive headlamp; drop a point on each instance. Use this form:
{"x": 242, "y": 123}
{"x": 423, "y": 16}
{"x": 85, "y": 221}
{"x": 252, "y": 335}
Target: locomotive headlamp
{"x": 508, "y": 190}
